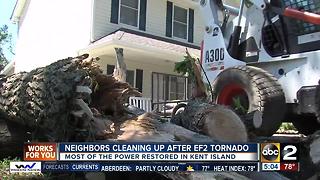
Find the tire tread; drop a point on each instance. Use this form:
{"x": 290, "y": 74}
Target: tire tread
{"x": 269, "y": 94}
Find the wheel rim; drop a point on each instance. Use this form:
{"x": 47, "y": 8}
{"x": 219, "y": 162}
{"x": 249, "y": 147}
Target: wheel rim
{"x": 232, "y": 93}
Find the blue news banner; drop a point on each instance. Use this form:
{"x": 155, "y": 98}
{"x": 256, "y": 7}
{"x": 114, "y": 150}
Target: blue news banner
{"x": 171, "y": 157}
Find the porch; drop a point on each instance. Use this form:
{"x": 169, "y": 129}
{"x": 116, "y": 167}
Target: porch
{"x": 166, "y": 93}
{"x": 150, "y": 62}
{"x": 144, "y": 54}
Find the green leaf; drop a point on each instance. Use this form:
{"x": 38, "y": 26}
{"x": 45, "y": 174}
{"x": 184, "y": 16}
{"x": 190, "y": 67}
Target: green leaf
{"x": 184, "y": 67}
{"x": 238, "y": 106}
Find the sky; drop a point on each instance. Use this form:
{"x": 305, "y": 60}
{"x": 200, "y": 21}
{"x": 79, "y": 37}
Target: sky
{"x": 6, "y": 8}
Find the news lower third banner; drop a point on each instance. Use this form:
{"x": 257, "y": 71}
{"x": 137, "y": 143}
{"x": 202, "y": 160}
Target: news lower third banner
{"x": 56, "y": 157}
{"x": 141, "y": 152}
{"x": 158, "y": 152}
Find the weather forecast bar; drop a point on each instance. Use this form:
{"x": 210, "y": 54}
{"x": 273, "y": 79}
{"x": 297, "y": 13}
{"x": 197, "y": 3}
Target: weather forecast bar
{"x": 160, "y": 157}
{"x": 143, "y": 167}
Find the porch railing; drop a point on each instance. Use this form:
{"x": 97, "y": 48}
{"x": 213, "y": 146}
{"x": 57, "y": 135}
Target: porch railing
{"x": 164, "y": 108}
{"x": 141, "y": 102}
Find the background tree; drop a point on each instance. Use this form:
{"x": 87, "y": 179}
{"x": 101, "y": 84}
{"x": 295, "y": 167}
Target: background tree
{"x": 5, "y": 43}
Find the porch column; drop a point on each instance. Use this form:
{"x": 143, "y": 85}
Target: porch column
{"x": 120, "y": 70}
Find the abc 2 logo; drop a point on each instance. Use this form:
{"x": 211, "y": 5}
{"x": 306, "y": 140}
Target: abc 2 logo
{"x": 279, "y": 152}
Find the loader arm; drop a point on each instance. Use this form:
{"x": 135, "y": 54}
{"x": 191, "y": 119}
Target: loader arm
{"x": 301, "y": 15}
{"x": 210, "y": 9}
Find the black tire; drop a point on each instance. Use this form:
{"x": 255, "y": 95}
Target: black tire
{"x": 305, "y": 124}
{"x": 262, "y": 92}
{"x": 176, "y": 108}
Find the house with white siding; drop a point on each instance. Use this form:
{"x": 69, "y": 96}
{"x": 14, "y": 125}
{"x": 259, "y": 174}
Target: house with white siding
{"x": 154, "y": 34}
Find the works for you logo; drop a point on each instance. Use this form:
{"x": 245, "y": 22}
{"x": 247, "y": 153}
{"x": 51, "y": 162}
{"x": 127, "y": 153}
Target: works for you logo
{"x": 25, "y": 167}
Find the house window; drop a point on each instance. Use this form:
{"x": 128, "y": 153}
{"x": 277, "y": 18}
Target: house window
{"x": 129, "y": 12}
{"x": 176, "y": 88}
{"x": 130, "y": 77}
{"x": 180, "y": 22}
{"x": 110, "y": 69}
{"x": 170, "y": 87}
{"x": 133, "y": 77}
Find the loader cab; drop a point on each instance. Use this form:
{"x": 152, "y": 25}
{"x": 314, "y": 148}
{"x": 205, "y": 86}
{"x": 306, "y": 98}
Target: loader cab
{"x": 282, "y": 35}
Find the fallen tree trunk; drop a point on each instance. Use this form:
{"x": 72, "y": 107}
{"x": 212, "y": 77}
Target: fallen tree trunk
{"x": 61, "y": 102}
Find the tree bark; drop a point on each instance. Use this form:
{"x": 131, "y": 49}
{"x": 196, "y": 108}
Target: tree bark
{"x": 62, "y": 101}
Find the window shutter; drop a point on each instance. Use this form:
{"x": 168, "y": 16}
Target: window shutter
{"x": 190, "y": 25}
{"x": 139, "y": 79}
{"x": 143, "y": 15}
{"x": 114, "y": 11}
{"x": 169, "y": 19}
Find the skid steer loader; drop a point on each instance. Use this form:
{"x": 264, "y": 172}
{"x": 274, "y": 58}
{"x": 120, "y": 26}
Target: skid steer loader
{"x": 266, "y": 59}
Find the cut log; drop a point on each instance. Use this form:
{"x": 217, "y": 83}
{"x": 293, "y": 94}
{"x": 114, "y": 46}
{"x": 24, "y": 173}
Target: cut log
{"x": 216, "y": 121}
